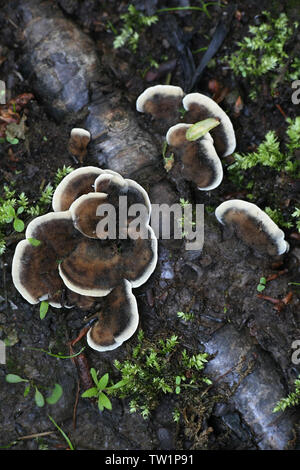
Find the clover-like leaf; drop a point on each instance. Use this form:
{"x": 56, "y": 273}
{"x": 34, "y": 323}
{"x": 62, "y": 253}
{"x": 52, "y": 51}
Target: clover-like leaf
{"x": 55, "y": 395}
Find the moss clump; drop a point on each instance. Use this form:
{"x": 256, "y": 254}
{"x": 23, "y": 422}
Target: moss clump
{"x": 293, "y": 399}
{"x": 160, "y": 368}
{"x": 263, "y": 53}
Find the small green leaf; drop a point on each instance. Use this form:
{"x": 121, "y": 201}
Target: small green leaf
{"x": 27, "y": 390}
{"x": 34, "y": 241}
{"x": 103, "y": 382}
{"x": 104, "y": 401}
{"x": 39, "y": 399}
{"x": 177, "y": 390}
{"x": 199, "y": 129}
{"x": 119, "y": 384}
{"x": 12, "y": 140}
{"x": 10, "y": 212}
{"x": 20, "y": 210}
{"x": 14, "y": 379}
{"x": 91, "y": 392}
{"x": 44, "y": 306}
{"x": 178, "y": 380}
{"x": 260, "y": 287}
{"x": 55, "y": 395}
{"x": 263, "y": 280}
{"x": 19, "y": 225}
{"x": 94, "y": 375}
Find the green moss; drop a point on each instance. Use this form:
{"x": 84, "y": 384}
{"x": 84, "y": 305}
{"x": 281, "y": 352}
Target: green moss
{"x": 271, "y": 154}
{"x": 293, "y": 399}
{"x": 263, "y": 54}
{"x": 15, "y": 208}
{"x": 134, "y": 22}
{"x": 160, "y": 368}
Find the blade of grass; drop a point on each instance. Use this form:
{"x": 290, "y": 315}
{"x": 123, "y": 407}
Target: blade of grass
{"x": 62, "y": 433}
{"x": 59, "y": 356}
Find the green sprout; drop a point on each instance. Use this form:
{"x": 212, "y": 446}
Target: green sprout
{"x": 14, "y": 208}
{"x": 39, "y": 399}
{"x": 262, "y": 284}
{"x": 187, "y": 317}
{"x": 100, "y": 388}
{"x": 134, "y": 22}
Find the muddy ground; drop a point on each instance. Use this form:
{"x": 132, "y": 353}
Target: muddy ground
{"x": 253, "y": 340}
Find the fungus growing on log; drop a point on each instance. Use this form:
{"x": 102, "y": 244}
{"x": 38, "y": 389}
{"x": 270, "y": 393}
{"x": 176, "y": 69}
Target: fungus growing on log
{"x": 73, "y": 265}
{"x": 253, "y": 226}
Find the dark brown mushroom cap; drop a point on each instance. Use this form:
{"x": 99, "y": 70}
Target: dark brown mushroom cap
{"x": 199, "y": 160}
{"x": 35, "y": 268}
{"x": 84, "y": 213}
{"x": 95, "y": 267}
{"x": 115, "y": 186}
{"x": 163, "y": 103}
{"x": 253, "y": 226}
{"x": 74, "y": 185}
{"x": 200, "y": 107}
{"x": 71, "y": 265}
{"x": 117, "y": 319}
{"x": 84, "y": 302}
{"x": 78, "y": 142}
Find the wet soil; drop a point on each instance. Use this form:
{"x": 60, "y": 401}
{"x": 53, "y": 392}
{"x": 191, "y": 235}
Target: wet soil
{"x": 252, "y": 341}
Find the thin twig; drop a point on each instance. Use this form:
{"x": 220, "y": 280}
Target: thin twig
{"x": 38, "y": 434}
{"x": 76, "y": 404}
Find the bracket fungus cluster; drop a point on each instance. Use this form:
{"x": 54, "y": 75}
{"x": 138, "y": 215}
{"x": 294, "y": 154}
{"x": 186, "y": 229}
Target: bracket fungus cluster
{"x": 199, "y": 133}
{"x": 75, "y": 264}
{"x": 199, "y": 159}
{"x": 253, "y": 226}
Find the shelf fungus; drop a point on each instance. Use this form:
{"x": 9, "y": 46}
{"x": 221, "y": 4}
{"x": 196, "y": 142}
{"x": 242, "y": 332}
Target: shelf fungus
{"x": 88, "y": 251}
{"x": 78, "y": 142}
{"x": 168, "y": 105}
{"x": 196, "y": 127}
{"x": 198, "y": 159}
{"x": 253, "y": 226}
